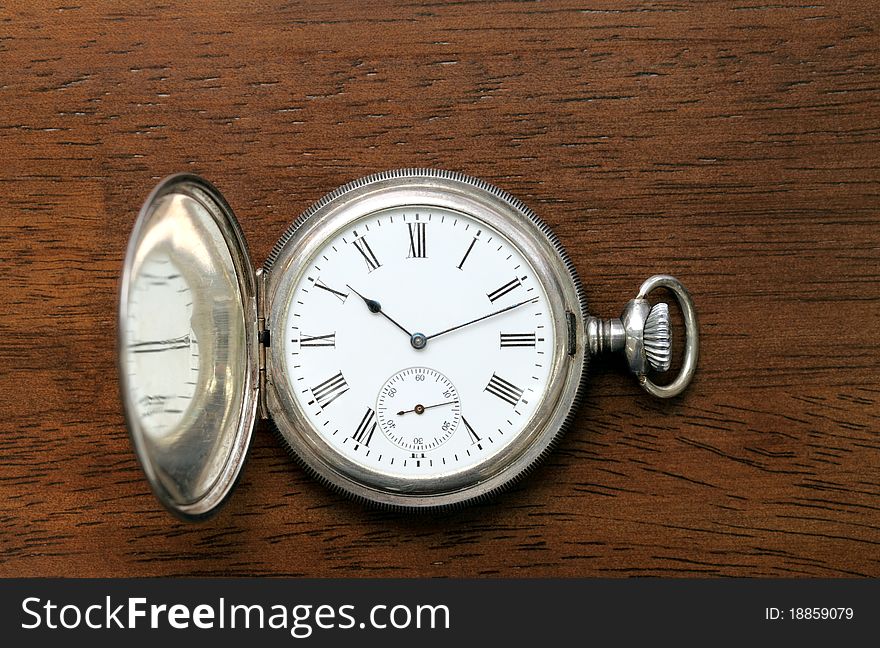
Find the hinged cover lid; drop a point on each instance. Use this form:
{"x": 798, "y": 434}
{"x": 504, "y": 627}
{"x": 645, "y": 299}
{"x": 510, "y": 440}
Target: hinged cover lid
{"x": 188, "y": 358}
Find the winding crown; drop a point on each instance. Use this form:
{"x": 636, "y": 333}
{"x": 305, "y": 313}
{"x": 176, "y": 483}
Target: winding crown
{"x": 658, "y": 338}
{"x": 643, "y": 334}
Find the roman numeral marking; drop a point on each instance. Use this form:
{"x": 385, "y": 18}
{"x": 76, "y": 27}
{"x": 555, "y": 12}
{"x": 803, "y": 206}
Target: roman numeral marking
{"x": 504, "y": 390}
{"x": 364, "y": 432}
{"x": 364, "y": 248}
{"x": 328, "y": 340}
{"x": 417, "y": 249}
{"x": 474, "y": 437}
{"x": 329, "y": 390}
{"x": 341, "y": 296}
{"x": 506, "y": 288}
{"x": 464, "y": 258}
{"x": 518, "y": 340}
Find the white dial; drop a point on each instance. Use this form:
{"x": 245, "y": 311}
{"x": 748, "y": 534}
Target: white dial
{"x": 418, "y": 286}
{"x": 418, "y": 409}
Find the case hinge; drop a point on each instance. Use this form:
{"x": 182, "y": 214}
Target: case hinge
{"x": 263, "y": 341}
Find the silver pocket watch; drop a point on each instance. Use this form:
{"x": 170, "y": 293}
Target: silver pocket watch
{"x": 418, "y": 339}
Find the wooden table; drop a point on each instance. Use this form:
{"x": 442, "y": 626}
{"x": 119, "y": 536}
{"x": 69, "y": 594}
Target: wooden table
{"x": 733, "y": 144}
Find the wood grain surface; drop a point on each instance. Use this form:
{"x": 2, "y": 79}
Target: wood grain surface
{"x": 733, "y": 144}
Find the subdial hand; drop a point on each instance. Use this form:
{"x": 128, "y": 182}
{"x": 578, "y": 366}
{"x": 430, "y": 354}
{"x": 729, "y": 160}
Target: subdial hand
{"x": 480, "y": 319}
{"x": 420, "y": 409}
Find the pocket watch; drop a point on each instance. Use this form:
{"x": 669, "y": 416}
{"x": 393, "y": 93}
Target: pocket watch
{"x": 418, "y": 339}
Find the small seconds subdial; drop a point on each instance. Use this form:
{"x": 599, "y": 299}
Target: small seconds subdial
{"x": 418, "y": 409}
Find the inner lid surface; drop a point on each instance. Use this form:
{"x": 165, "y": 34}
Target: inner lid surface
{"x": 188, "y": 370}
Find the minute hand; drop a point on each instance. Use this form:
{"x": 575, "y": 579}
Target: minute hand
{"x": 480, "y": 319}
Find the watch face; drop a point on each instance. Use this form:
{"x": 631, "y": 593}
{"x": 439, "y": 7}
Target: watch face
{"x": 426, "y": 339}
{"x": 398, "y": 407}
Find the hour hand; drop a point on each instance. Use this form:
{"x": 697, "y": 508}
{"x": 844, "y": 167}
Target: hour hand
{"x": 376, "y": 307}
